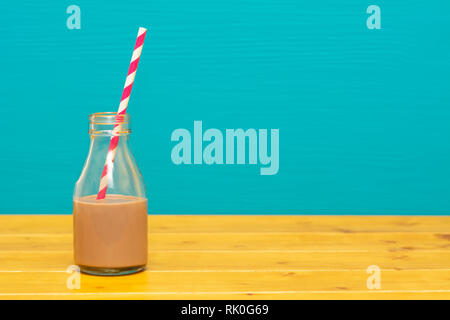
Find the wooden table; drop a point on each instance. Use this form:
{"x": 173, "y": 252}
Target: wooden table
{"x": 239, "y": 257}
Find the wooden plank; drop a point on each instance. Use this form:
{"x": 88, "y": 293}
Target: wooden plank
{"x": 271, "y": 285}
{"x": 259, "y": 295}
{"x": 375, "y": 241}
{"x": 230, "y": 281}
{"x": 243, "y": 260}
{"x": 57, "y": 224}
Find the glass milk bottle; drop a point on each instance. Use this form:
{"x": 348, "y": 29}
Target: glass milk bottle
{"x": 110, "y": 228}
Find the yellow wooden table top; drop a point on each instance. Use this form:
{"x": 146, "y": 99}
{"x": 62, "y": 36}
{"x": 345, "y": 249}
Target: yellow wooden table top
{"x": 240, "y": 257}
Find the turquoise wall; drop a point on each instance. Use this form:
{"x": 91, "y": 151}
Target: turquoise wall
{"x": 364, "y": 115}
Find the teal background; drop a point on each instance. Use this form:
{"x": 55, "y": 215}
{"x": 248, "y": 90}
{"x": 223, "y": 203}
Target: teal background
{"x": 364, "y": 115}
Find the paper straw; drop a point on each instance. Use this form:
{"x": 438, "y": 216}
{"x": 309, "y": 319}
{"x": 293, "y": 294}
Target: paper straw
{"x": 107, "y": 169}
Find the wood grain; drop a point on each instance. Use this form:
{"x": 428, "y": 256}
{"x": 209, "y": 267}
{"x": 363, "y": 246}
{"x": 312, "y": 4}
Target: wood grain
{"x": 240, "y": 257}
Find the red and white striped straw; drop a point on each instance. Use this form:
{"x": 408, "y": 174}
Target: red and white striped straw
{"x": 107, "y": 169}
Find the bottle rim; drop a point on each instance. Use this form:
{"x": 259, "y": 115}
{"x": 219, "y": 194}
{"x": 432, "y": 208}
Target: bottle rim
{"x": 108, "y": 123}
{"x": 108, "y": 118}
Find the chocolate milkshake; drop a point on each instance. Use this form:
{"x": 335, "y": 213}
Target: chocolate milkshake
{"x": 110, "y": 235}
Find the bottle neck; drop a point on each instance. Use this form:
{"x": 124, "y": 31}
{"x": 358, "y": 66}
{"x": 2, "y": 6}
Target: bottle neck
{"x": 100, "y": 147}
{"x": 102, "y": 128}
{"x": 106, "y": 139}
